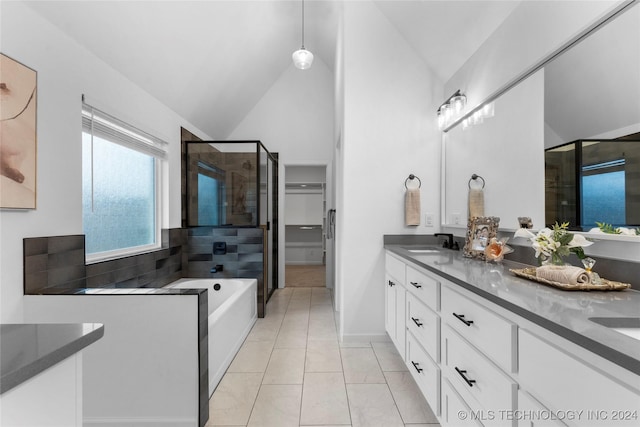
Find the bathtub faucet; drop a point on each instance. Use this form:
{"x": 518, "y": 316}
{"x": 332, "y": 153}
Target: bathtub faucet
{"x": 217, "y": 268}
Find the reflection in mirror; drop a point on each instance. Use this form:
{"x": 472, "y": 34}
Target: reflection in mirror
{"x": 592, "y": 99}
{"x": 592, "y": 181}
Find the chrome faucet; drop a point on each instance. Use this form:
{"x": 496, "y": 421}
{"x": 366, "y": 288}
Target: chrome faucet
{"x": 449, "y": 243}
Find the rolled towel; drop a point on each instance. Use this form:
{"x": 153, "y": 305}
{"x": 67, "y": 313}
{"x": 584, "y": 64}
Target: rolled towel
{"x": 564, "y": 274}
{"x": 412, "y": 207}
{"x": 476, "y": 202}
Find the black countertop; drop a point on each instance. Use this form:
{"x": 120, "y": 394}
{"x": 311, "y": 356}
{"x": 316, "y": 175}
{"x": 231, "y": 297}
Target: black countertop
{"x": 565, "y": 313}
{"x": 28, "y": 349}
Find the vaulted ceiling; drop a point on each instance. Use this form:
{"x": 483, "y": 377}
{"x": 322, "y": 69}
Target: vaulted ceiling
{"x": 212, "y": 61}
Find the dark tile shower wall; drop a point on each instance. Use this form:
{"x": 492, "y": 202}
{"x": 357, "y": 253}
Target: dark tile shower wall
{"x": 244, "y": 257}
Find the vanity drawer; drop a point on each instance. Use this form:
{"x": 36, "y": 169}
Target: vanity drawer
{"x": 425, "y": 287}
{"x": 561, "y": 381}
{"x": 395, "y": 268}
{"x": 533, "y": 413}
{"x": 494, "y": 335}
{"x": 424, "y": 324}
{"x": 481, "y": 383}
{"x": 425, "y": 372}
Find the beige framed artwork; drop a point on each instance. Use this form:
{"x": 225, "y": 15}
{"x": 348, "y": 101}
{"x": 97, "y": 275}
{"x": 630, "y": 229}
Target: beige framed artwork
{"x": 18, "y": 87}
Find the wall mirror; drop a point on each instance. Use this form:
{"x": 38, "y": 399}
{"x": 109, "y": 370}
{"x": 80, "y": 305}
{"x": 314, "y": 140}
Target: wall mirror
{"x": 590, "y": 92}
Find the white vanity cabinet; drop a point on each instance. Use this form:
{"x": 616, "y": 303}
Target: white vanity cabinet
{"x": 395, "y": 303}
{"x": 479, "y": 363}
{"x": 580, "y": 392}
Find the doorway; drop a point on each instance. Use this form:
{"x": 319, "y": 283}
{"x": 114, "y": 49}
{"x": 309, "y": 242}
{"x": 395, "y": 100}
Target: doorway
{"x": 305, "y": 226}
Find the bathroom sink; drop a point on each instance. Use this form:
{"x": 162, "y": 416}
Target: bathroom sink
{"x": 629, "y": 326}
{"x": 422, "y": 249}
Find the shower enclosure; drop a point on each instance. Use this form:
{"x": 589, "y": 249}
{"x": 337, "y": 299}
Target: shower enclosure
{"x": 234, "y": 185}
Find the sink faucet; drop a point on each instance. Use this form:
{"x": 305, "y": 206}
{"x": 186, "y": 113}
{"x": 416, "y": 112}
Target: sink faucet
{"x": 449, "y": 243}
{"x": 217, "y": 268}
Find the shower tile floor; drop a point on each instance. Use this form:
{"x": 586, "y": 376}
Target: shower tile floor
{"x": 293, "y": 371}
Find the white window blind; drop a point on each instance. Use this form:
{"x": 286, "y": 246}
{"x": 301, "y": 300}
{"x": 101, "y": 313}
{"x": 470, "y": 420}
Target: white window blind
{"x": 100, "y": 124}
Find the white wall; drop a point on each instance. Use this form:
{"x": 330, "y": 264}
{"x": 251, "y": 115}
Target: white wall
{"x": 65, "y": 72}
{"x": 534, "y": 30}
{"x": 295, "y": 119}
{"x": 390, "y": 99}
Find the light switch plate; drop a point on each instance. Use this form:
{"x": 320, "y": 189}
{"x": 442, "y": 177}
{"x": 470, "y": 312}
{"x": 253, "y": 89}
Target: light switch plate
{"x": 456, "y": 218}
{"x": 428, "y": 220}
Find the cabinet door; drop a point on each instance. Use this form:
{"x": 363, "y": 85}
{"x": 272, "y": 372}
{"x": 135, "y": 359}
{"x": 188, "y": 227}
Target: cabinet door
{"x": 390, "y": 307}
{"x": 454, "y": 411}
{"x": 401, "y": 327}
{"x": 532, "y": 413}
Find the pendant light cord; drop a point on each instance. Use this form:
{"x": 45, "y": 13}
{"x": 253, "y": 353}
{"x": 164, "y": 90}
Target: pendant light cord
{"x": 303, "y": 24}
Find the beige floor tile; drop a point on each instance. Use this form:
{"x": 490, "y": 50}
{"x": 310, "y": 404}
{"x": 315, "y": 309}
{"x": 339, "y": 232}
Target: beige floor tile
{"x": 412, "y": 405}
{"x": 286, "y": 366}
{"x": 323, "y": 356}
{"x": 355, "y": 344}
{"x": 322, "y": 330}
{"x": 277, "y": 406}
{"x": 324, "y": 399}
{"x": 361, "y": 366}
{"x": 296, "y": 338}
{"x": 372, "y": 405}
{"x": 388, "y": 356}
{"x": 265, "y": 330}
{"x": 233, "y": 399}
{"x": 252, "y": 357}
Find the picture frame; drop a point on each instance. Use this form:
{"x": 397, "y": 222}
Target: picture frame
{"x": 480, "y": 231}
{"x": 18, "y": 134}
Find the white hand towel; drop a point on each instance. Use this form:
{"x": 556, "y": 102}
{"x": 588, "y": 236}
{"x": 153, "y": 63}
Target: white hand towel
{"x": 564, "y": 274}
{"x": 476, "y": 202}
{"x": 412, "y": 207}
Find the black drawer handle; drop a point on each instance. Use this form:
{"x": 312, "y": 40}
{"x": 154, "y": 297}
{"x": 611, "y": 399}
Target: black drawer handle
{"x": 415, "y": 365}
{"x": 461, "y": 318}
{"x": 464, "y": 377}
{"x": 416, "y": 321}
{"x": 391, "y": 283}
{"x": 416, "y": 284}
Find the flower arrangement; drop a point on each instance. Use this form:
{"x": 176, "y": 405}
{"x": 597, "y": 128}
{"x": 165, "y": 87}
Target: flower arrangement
{"x": 552, "y": 244}
{"x": 603, "y": 227}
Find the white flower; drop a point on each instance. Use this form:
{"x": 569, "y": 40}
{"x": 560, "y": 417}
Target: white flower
{"x": 579, "y": 240}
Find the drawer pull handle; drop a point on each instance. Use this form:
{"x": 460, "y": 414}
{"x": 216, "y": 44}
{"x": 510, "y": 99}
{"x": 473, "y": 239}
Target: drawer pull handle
{"x": 416, "y": 284}
{"x": 464, "y": 377}
{"x": 416, "y": 321}
{"x": 461, "y": 318}
{"x": 415, "y": 365}
{"x": 391, "y": 283}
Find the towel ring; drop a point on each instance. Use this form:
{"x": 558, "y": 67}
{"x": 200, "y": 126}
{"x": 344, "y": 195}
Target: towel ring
{"x": 475, "y": 177}
{"x": 412, "y": 177}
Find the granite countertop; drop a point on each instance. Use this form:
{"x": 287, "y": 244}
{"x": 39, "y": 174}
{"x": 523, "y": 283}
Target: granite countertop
{"x": 565, "y": 313}
{"x": 28, "y": 349}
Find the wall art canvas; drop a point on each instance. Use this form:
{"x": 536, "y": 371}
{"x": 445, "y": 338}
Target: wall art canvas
{"x": 238, "y": 193}
{"x": 17, "y": 135}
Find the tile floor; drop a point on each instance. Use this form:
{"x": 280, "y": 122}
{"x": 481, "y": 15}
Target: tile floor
{"x": 293, "y": 371}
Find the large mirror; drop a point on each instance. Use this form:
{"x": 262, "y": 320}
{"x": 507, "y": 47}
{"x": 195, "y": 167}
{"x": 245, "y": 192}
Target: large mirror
{"x": 589, "y": 93}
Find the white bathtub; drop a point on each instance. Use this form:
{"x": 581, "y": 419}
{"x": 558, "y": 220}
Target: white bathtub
{"x": 232, "y": 312}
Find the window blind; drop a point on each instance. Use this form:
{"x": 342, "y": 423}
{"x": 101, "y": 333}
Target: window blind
{"x": 102, "y": 125}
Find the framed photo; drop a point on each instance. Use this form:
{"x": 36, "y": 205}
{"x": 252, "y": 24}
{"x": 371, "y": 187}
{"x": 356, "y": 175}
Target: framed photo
{"x": 17, "y": 135}
{"x": 480, "y": 230}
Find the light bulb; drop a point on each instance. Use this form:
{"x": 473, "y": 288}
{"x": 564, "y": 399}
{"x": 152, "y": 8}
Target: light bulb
{"x": 302, "y": 58}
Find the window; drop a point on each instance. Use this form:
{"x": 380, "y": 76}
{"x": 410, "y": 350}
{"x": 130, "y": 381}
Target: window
{"x": 120, "y": 186}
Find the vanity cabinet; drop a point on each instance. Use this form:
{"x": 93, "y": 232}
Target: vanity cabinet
{"x": 395, "y": 303}
{"x": 479, "y": 363}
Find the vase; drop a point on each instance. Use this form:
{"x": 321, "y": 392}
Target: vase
{"x": 554, "y": 259}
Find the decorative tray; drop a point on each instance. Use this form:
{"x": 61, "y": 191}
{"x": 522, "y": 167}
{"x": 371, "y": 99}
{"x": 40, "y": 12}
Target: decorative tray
{"x": 607, "y": 285}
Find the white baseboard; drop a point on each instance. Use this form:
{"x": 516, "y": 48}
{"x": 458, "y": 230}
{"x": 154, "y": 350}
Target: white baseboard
{"x": 139, "y": 422}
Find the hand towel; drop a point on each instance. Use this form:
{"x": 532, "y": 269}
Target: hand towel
{"x": 564, "y": 274}
{"x": 412, "y": 206}
{"x": 476, "y": 202}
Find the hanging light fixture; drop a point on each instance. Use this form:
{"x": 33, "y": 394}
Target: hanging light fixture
{"x": 302, "y": 58}
{"x": 451, "y": 109}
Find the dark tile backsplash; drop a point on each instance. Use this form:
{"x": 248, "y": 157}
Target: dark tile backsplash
{"x": 57, "y": 264}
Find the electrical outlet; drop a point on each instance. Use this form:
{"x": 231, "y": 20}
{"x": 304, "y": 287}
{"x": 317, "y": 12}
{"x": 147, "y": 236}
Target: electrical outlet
{"x": 428, "y": 220}
{"x": 456, "y": 218}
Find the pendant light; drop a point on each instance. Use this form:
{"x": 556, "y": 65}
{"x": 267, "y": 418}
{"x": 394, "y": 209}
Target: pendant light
{"x": 302, "y": 58}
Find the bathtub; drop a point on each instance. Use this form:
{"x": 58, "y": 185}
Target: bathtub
{"x": 232, "y": 313}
